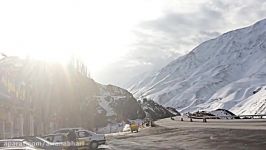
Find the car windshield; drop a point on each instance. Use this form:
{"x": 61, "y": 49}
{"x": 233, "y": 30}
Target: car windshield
{"x": 59, "y": 138}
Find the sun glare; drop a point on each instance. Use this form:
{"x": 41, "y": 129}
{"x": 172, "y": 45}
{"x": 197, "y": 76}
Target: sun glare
{"x": 48, "y": 56}
{"x": 99, "y": 36}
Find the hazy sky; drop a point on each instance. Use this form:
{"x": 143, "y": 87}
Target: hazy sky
{"x": 118, "y": 39}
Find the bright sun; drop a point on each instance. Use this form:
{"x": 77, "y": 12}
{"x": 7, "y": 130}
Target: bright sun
{"x": 98, "y": 31}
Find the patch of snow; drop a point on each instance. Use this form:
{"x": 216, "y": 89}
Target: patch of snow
{"x": 118, "y": 127}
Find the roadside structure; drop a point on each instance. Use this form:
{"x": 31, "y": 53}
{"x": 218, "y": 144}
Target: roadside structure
{"x": 16, "y": 115}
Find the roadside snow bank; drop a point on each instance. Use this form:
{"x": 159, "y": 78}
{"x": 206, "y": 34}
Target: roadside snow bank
{"x": 119, "y": 127}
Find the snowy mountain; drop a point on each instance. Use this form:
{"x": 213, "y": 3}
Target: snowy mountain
{"x": 220, "y": 73}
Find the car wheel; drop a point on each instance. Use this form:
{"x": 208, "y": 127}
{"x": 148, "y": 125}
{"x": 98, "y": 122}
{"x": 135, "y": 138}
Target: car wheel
{"x": 93, "y": 145}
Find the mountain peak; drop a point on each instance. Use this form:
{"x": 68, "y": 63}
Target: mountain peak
{"x": 219, "y": 73}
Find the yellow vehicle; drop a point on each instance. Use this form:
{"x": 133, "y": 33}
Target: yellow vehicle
{"x": 134, "y": 127}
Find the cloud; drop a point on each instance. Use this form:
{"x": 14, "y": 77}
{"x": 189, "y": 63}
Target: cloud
{"x": 176, "y": 32}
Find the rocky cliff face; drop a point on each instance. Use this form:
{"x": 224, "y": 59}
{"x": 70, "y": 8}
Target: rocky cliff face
{"x": 155, "y": 111}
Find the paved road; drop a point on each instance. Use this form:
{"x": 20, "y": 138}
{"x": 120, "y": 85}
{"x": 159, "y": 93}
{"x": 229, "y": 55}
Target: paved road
{"x": 177, "y": 135}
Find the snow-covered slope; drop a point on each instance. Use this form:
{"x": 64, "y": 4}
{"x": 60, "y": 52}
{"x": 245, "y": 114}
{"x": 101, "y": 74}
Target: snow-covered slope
{"x": 155, "y": 111}
{"x": 116, "y": 101}
{"x": 223, "y": 114}
{"x": 255, "y": 104}
{"x": 219, "y": 73}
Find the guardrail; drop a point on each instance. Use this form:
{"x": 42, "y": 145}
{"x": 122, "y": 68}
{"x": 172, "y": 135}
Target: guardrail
{"x": 252, "y": 116}
{"x": 204, "y": 118}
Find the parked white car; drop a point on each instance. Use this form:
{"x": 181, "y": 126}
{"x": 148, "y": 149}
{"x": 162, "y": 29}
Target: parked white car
{"x": 91, "y": 139}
